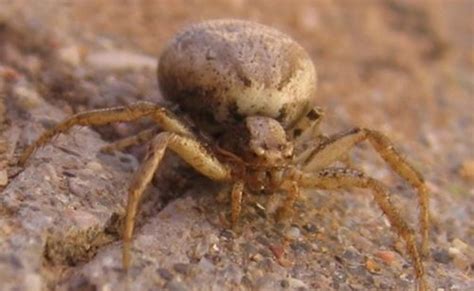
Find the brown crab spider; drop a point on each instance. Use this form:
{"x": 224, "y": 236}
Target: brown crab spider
{"x": 249, "y": 89}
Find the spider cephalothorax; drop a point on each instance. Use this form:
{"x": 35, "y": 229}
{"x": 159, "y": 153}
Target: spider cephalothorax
{"x": 249, "y": 90}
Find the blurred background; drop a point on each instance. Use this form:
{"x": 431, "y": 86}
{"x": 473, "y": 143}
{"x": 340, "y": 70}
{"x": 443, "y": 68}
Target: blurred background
{"x": 400, "y": 66}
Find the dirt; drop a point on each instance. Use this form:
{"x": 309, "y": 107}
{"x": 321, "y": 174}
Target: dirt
{"x": 402, "y": 67}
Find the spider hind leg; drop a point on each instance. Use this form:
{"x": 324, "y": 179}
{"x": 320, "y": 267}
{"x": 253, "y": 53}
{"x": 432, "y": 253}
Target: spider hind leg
{"x": 337, "y": 146}
{"x": 336, "y": 178}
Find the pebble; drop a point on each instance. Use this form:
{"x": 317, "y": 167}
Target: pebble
{"x": 3, "y": 178}
{"x": 457, "y": 243}
{"x": 26, "y": 98}
{"x": 460, "y": 260}
{"x": 176, "y": 285}
{"x": 256, "y": 257}
{"x": 182, "y": 268}
{"x": 293, "y": 233}
{"x": 372, "y": 266}
{"x": 351, "y": 254}
{"x": 120, "y": 60}
{"x": 297, "y": 284}
{"x": 95, "y": 166}
{"x": 200, "y": 250}
{"x": 266, "y": 282}
{"x": 310, "y": 228}
{"x": 205, "y": 265}
{"x": 442, "y": 256}
{"x": 232, "y": 273}
{"x": 76, "y": 186}
{"x": 70, "y": 55}
{"x": 277, "y": 251}
{"x": 165, "y": 274}
{"x": 387, "y": 257}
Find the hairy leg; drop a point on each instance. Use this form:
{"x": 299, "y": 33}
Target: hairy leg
{"x": 236, "y": 201}
{"x": 335, "y": 178}
{"x": 190, "y": 150}
{"x": 162, "y": 116}
{"x": 335, "y": 147}
{"x": 139, "y": 138}
{"x": 293, "y": 192}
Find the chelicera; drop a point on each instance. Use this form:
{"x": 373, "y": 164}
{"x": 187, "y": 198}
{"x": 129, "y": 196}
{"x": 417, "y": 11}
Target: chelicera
{"x": 248, "y": 90}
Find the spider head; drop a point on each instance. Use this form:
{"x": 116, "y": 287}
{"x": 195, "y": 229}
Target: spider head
{"x": 267, "y": 141}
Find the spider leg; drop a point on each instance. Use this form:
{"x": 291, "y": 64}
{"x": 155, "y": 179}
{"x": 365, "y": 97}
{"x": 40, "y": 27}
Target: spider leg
{"x": 109, "y": 115}
{"x": 236, "y": 201}
{"x": 139, "y": 138}
{"x": 335, "y": 147}
{"x": 191, "y": 151}
{"x": 335, "y": 178}
{"x": 286, "y": 210}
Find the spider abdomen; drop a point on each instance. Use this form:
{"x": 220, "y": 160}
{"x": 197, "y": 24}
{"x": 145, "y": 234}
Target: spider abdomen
{"x": 222, "y": 71}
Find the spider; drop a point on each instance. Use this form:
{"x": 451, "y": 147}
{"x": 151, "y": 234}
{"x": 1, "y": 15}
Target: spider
{"x": 247, "y": 90}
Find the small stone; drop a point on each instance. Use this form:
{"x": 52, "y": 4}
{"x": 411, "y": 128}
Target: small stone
{"x": 284, "y": 283}
{"x": 300, "y": 247}
{"x": 200, "y": 250}
{"x": 26, "y": 98}
{"x": 3, "y": 178}
{"x": 70, "y": 55}
{"x": 257, "y": 257}
{"x": 293, "y": 233}
{"x": 246, "y": 282}
{"x": 205, "y": 265}
{"x": 182, "y": 268}
{"x": 467, "y": 170}
{"x": 387, "y": 257}
{"x": 296, "y": 284}
{"x": 351, "y": 254}
{"x": 95, "y": 166}
{"x": 459, "y": 244}
{"x": 265, "y": 282}
{"x": 165, "y": 274}
{"x": 442, "y": 256}
{"x": 372, "y": 266}
{"x": 453, "y": 252}
{"x": 213, "y": 239}
{"x": 310, "y": 228}
{"x": 277, "y": 251}
{"x": 460, "y": 260}
{"x": 227, "y": 234}
{"x": 176, "y": 285}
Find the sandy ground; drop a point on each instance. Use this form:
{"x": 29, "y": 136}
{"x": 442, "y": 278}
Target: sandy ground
{"x": 402, "y": 67}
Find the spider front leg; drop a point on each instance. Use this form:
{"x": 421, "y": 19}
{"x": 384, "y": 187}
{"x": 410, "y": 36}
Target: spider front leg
{"x": 335, "y": 147}
{"x": 293, "y": 193}
{"x": 191, "y": 151}
{"x": 132, "y": 112}
{"x": 336, "y": 178}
